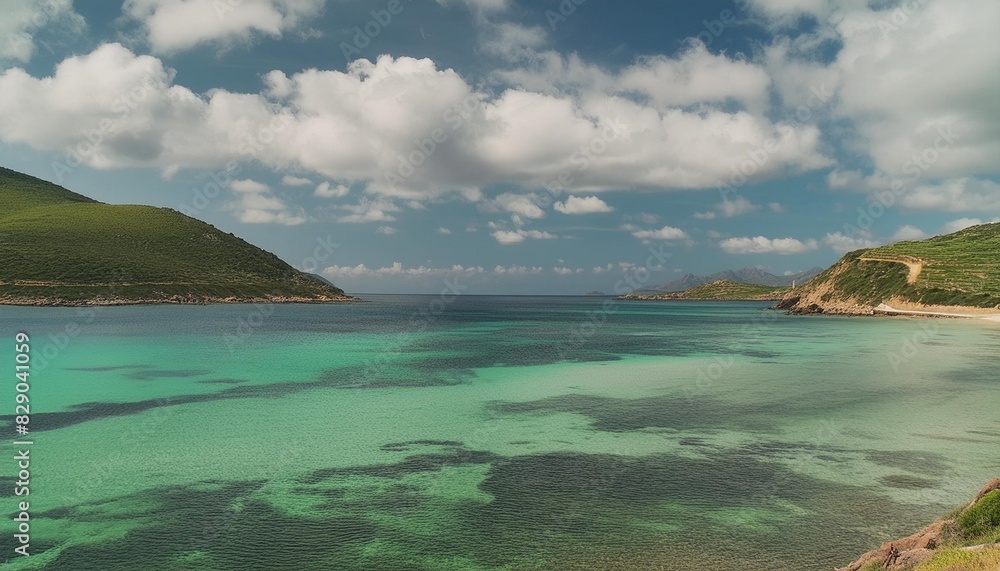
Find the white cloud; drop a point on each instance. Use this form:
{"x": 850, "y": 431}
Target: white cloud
{"x": 289, "y": 180}
{"x": 368, "y": 210}
{"x": 842, "y": 243}
{"x": 326, "y": 190}
{"x": 697, "y": 76}
{"x": 604, "y": 269}
{"x": 647, "y": 218}
{"x": 585, "y": 205}
{"x": 176, "y": 25}
{"x": 665, "y": 233}
{"x": 355, "y": 126}
{"x": 444, "y": 231}
{"x": 762, "y": 245}
{"x": 956, "y": 195}
{"x": 566, "y": 271}
{"x": 248, "y": 186}
{"x": 776, "y": 207}
{"x": 397, "y": 269}
{"x": 908, "y": 232}
{"x": 705, "y": 215}
{"x": 255, "y": 204}
{"x": 23, "y": 19}
{"x": 507, "y": 237}
{"x": 736, "y": 207}
{"x": 387, "y": 230}
{"x": 517, "y": 270}
{"x": 878, "y": 80}
{"x": 526, "y": 205}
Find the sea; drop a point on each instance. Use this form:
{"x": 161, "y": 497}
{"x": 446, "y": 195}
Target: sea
{"x": 487, "y": 433}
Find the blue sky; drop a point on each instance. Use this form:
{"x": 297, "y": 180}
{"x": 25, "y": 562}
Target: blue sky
{"x": 519, "y": 147}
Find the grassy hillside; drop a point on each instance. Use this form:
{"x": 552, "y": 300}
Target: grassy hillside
{"x": 62, "y": 247}
{"x": 721, "y": 290}
{"x": 960, "y": 269}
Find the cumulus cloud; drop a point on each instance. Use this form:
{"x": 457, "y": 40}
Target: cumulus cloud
{"x": 176, "y": 25}
{"x": 909, "y": 127}
{"x": 289, "y": 180}
{"x": 957, "y": 195}
{"x": 361, "y": 125}
{"x": 524, "y": 205}
{"x": 665, "y": 233}
{"x": 842, "y": 243}
{"x": 736, "y": 207}
{"x": 327, "y": 190}
{"x": 248, "y": 186}
{"x": 762, "y": 245}
{"x": 908, "y": 232}
{"x": 386, "y": 231}
{"x": 517, "y": 270}
{"x": 508, "y": 237}
{"x": 585, "y": 205}
{"x": 22, "y": 20}
{"x": 368, "y": 210}
{"x": 444, "y": 231}
{"x": 255, "y": 204}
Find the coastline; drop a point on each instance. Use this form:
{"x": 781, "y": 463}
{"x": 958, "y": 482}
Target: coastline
{"x": 173, "y": 300}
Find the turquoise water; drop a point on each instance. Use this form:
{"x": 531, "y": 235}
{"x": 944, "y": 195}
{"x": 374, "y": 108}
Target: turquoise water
{"x": 492, "y": 433}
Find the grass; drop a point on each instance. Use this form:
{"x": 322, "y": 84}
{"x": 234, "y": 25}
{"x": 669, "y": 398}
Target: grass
{"x": 983, "y": 518}
{"x": 956, "y": 559}
{"x": 58, "y": 244}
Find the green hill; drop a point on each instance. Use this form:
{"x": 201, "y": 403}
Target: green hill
{"x": 960, "y": 269}
{"x": 721, "y": 290}
{"x": 60, "y": 248}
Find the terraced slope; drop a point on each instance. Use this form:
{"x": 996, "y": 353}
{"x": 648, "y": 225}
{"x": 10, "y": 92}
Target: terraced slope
{"x": 960, "y": 269}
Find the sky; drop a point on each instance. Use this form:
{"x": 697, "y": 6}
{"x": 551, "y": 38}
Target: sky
{"x": 515, "y": 147}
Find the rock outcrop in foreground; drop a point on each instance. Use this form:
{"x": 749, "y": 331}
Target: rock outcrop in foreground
{"x": 909, "y": 553}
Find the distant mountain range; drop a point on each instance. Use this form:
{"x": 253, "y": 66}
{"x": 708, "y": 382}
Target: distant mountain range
{"x": 752, "y": 276}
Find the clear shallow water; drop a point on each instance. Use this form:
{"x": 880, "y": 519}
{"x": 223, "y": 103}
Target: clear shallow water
{"x": 503, "y": 433}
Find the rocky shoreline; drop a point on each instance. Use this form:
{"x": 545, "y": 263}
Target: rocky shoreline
{"x": 907, "y": 553}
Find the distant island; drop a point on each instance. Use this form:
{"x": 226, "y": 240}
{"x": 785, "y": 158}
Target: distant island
{"x": 62, "y": 248}
{"x": 953, "y": 275}
{"x": 722, "y": 290}
{"x": 752, "y": 276}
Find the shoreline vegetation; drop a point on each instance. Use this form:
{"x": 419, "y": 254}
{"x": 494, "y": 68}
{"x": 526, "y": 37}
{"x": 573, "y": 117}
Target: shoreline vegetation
{"x": 60, "y": 248}
{"x": 968, "y": 539}
{"x": 722, "y": 290}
